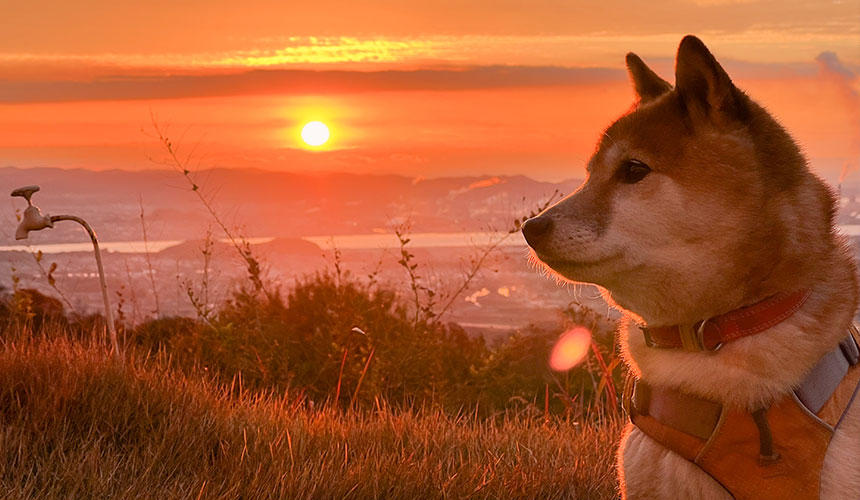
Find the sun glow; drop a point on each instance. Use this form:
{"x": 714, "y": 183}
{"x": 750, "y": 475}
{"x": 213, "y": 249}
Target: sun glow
{"x": 315, "y": 133}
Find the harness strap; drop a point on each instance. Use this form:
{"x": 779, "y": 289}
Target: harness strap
{"x": 766, "y": 453}
{"x": 698, "y": 417}
{"x": 826, "y": 375}
{"x": 681, "y": 411}
{"x": 772, "y": 453}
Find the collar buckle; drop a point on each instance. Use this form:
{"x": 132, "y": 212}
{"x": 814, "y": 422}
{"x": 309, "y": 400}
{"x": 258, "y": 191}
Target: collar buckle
{"x": 693, "y": 337}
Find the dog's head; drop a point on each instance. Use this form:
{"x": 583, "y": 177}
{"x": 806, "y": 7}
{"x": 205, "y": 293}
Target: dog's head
{"x": 695, "y": 195}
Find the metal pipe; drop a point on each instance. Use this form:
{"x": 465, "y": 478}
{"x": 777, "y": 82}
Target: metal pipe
{"x": 108, "y": 313}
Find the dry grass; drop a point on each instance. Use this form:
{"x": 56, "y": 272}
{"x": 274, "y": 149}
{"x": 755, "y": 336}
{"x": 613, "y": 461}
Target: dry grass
{"x": 76, "y": 424}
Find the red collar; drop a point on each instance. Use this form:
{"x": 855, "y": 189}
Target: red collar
{"x": 711, "y": 334}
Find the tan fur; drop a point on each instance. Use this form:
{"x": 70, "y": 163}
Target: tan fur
{"x": 729, "y": 214}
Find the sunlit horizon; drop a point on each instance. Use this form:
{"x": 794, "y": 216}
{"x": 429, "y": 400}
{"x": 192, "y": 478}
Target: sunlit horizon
{"x": 439, "y": 91}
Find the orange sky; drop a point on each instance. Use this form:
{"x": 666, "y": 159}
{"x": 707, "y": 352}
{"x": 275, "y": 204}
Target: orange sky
{"x": 421, "y": 88}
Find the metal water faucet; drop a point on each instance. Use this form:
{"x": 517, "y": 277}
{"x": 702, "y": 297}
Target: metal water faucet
{"x": 33, "y": 219}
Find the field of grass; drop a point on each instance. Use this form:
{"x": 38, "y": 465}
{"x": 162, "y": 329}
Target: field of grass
{"x": 78, "y": 424}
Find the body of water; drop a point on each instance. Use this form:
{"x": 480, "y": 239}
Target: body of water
{"x": 345, "y": 242}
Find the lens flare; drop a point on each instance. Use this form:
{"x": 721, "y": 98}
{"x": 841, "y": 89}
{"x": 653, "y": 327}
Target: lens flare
{"x": 570, "y": 349}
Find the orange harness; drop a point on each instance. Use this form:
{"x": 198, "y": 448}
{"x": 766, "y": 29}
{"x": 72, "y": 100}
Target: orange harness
{"x": 773, "y": 453}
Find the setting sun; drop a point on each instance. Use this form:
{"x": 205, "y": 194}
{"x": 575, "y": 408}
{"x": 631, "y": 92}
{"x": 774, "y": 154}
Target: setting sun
{"x": 315, "y": 133}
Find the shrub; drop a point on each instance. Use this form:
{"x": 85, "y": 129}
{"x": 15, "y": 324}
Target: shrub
{"x": 328, "y": 331}
{"x": 29, "y": 309}
{"x": 342, "y": 341}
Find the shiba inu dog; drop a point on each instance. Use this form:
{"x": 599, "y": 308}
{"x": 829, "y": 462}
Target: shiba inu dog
{"x": 699, "y": 211}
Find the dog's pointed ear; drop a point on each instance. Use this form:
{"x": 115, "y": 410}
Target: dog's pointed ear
{"x": 703, "y": 84}
{"x": 647, "y": 84}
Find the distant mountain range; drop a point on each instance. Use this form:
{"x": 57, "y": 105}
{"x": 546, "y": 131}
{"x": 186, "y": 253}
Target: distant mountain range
{"x": 269, "y": 203}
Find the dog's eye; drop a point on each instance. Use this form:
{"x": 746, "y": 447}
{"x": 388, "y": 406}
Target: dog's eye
{"x": 633, "y": 171}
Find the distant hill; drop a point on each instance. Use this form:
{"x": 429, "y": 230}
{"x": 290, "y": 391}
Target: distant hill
{"x": 192, "y": 249}
{"x": 270, "y": 203}
{"x": 289, "y": 246}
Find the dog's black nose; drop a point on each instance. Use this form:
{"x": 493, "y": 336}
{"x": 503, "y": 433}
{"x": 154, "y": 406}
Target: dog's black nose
{"x": 535, "y": 229}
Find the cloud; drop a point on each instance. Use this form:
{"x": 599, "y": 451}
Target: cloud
{"x": 723, "y": 2}
{"x": 162, "y": 25}
{"x": 293, "y": 81}
{"x": 829, "y": 63}
{"x": 287, "y": 51}
{"x": 286, "y": 81}
{"x": 490, "y": 181}
{"x": 846, "y": 82}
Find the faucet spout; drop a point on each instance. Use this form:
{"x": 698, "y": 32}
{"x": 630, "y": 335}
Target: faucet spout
{"x": 33, "y": 220}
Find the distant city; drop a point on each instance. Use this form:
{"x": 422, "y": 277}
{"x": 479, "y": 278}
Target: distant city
{"x": 296, "y": 224}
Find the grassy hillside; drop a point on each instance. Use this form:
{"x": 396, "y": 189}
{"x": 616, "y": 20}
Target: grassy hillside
{"x": 76, "y": 424}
